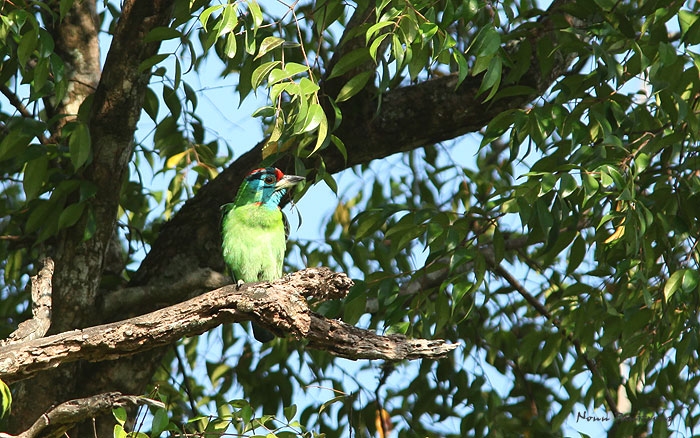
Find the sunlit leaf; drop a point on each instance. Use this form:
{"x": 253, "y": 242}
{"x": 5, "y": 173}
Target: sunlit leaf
{"x": 268, "y": 44}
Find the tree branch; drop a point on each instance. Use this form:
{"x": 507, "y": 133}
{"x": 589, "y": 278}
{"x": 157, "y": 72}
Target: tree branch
{"x": 19, "y": 106}
{"x": 408, "y": 118}
{"x": 41, "y": 308}
{"x": 279, "y": 306}
{"x": 56, "y": 421}
{"x": 502, "y": 272}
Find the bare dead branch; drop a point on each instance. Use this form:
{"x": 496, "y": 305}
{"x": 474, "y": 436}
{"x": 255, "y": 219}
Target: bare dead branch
{"x": 279, "y": 306}
{"x": 56, "y": 421}
{"x": 350, "y": 342}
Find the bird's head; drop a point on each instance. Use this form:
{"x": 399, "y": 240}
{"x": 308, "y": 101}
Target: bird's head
{"x": 265, "y": 186}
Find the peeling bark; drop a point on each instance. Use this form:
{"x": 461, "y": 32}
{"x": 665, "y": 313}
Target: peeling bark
{"x": 42, "y": 290}
{"x": 279, "y": 306}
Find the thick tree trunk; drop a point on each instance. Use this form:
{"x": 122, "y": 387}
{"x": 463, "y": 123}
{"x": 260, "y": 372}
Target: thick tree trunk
{"x": 116, "y": 107}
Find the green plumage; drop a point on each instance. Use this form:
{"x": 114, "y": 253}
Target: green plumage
{"x": 253, "y": 242}
{"x": 254, "y": 230}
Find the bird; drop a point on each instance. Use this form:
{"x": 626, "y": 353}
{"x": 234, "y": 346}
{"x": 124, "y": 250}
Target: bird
{"x": 254, "y": 231}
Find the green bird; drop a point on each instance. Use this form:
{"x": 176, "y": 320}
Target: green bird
{"x": 254, "y": 230}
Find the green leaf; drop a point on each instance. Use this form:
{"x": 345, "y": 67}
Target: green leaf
{"x": 487, "y": 42}
{"x": 256, "y": 13}
{"x": 162, "y": 34}
{"x": 204, "y": 16}
{"x": 79, "y": 145}
{"x": 308, "y": 87}
{"x": 120, "y": 415}
{"x": 34, "y": 176}
{"x": 327, "y": 403}
{"x": 70, "y": 215}
{"x": 153, "y": 60}
{"x": 315, "y": 118}
{"x": 229, "y": 19}
{"x": 322, "y": 137}
{"x": 340, "y": 146}
{"x": 290, "y": 69}
{"x": 354, "y": 86}
{"x": 267, "y": 45}
{"x": 375, "y": 28}
{"x": 39, "y": 215}
{"x": 264, "y": 111}
{"x": 260, "y": 74}
{"x": 576, "y": 254}
{"x": 369, "y": 222}
{"x": 567, "y": 185}
{"x": 690, "y": 27}
{"x": 492, "y": 77}
{"x": 119, "y": 431}
{"x": 230, "y": 46}
{"x": 64, "y": 7}
{"x": 160, "y": 422}
{"x": 673, "y": 284}
{"x": 376, "y": 44}
{"x": 462, "y": 66}
{"x": 690, "y": 280}
{"x": 290, "y": 412}
{"x": 352, "y": 60}
{"x": 13, "y": 143}
{"x": 151, "y": 104}
{"x": 5, "y": 399}
{"x": 26, "y": 47}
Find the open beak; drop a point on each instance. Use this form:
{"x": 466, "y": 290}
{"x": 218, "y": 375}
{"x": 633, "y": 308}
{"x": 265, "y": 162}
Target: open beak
{"x": 288, "y": 181}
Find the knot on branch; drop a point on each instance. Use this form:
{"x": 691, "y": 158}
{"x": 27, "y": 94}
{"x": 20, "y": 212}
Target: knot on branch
{"x": 280, "y": 309}
{"x": 320, "y": 283}
{"x": 280, "y": 305}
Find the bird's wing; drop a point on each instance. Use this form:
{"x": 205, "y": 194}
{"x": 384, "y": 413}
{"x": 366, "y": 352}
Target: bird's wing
{"x": 225, "y": 208}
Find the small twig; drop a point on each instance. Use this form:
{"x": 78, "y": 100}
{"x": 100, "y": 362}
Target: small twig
{"x": 186, "y": 382}
{"x": 539, "y": 307}
{"x": 387, "y": 369}
{"x": 19, "y": 106}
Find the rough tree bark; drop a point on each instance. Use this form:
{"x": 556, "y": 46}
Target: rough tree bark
{"x": 410, "y": 117}
{"x": 116, "y": 106}
{"x": 58, "y": 420}
{"x": 279, "y": 306}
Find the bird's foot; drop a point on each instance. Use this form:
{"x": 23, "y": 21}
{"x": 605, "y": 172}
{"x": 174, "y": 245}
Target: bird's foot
{"x": 239, "y": 283}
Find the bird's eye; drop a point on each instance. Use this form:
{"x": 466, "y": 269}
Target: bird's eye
{"x": 270, "y": 179}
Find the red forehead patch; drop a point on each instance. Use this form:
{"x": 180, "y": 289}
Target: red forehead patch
{"x": 278, "y": 173}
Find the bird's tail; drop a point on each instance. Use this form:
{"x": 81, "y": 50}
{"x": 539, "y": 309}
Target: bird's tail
{"x": 262, "y": 334}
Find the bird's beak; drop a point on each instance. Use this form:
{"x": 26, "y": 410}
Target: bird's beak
{"x": 288, "y": 181}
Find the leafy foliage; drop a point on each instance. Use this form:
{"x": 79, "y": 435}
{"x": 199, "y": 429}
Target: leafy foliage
{"x": 560, "y": 248}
